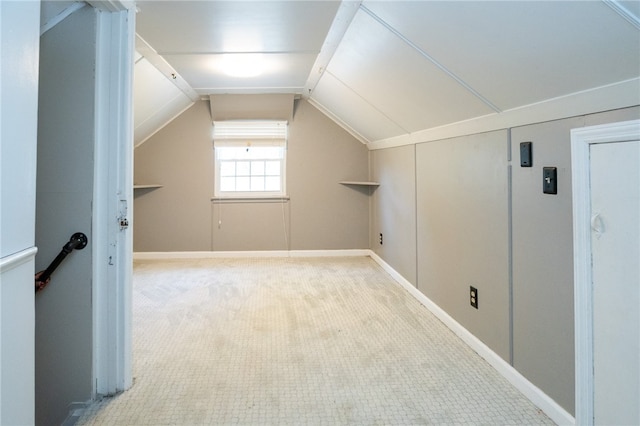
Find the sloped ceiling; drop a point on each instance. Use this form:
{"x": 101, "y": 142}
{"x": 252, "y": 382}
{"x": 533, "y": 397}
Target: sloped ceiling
{"x": 388, "y": 70}
{"x": 159, "y": 95}
{"x": 53, "y": 12}
{"x": 420, "y": 65}
{"x": 156, "y": 100}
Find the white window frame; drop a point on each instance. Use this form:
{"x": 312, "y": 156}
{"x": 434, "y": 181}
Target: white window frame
{"x": 249, "y": 134}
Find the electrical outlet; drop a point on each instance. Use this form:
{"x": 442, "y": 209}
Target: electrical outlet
{"x": 380, "y": 239}
{"x": 473, "y": 296}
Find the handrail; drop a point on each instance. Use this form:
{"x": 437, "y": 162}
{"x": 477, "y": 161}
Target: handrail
{"x": 78, "y": 241}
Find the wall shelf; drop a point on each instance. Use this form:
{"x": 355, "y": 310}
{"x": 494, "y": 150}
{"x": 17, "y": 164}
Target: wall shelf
{"x": 148, "y": 186}
{"x": 360, "y": 183}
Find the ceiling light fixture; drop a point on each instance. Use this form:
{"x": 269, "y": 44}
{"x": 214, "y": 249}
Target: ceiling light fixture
{"x": 243, "y": 65}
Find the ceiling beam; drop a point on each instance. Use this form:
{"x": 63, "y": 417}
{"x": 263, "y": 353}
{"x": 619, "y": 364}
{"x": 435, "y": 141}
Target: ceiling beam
{"x": 341, "y": 22}
{"x": 143, "y": 48}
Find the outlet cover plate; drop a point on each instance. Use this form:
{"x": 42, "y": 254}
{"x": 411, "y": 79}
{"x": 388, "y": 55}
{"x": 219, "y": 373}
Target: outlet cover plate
{"x": 473, "y": 297}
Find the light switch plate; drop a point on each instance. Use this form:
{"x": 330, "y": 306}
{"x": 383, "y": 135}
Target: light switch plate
{"x": 550, "y": 180}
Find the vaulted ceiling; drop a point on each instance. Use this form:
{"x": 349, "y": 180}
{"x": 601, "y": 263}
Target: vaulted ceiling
{"x": 387, "y": 70}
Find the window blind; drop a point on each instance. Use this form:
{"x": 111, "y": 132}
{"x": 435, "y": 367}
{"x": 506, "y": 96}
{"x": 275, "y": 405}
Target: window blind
{"x": 243, "y": 132}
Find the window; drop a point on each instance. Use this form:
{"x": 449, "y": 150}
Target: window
{"x": 250, "y": 158}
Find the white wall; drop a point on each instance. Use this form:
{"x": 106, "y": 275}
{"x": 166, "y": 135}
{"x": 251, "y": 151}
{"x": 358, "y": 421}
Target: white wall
{"x": 19, "y": 76}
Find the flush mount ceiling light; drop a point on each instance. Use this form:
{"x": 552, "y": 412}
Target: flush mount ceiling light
{"x": 243, "y": 65}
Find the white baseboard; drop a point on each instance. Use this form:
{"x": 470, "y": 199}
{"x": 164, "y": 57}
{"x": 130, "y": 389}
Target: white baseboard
{"x": 242, "y": 254}
{"x": 330, "y": 253}
{"x": 76, "y": 411}
{"x": 528, "y": 389}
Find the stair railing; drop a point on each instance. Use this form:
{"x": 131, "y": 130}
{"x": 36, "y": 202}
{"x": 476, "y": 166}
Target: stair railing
{"x": 78, "y": 241}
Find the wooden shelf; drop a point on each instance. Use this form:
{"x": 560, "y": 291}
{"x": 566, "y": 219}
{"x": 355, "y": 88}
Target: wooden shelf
{"x": 360, "y": 183}
{"x": 149, "y": 186}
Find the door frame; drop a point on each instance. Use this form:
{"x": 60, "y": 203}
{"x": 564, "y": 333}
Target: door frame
{"x": 581, "y": 140}
{"x": 113, "y": 195}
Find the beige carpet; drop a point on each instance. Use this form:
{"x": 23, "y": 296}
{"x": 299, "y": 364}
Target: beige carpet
{"x": 298, "y": 341}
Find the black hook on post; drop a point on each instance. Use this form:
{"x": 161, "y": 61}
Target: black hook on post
{"x": 78, "y": 241}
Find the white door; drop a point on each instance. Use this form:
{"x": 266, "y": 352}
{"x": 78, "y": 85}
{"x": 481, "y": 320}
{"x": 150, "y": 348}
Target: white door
{"x": 606, "y": 209}
{"x": 615, "y": 209}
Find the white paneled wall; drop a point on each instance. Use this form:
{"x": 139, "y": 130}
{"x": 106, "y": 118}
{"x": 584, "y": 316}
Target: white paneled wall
{"x": 19, "y": 32}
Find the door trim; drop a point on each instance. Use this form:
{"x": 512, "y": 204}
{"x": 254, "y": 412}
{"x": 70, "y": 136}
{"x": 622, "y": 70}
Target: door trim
{"x": 113, "y": 195}
{"x": 581, "y": 139}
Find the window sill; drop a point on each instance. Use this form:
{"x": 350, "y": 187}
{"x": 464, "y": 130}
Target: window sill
{"x": 234, "y": 200}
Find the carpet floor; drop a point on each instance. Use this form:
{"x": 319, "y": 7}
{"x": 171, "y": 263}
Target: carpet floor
{"x": 291, "y": 341}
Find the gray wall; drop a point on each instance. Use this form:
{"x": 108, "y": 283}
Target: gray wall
{"x": 543, "y": 339}
{"x": 321, "y": 213}
{"x": 462, "y": 208}
{"x": 324, "y": 213}
{"x": 463, "y": 200}
{"x": 393, "y": 209}
{"x": 63, "y": 207}
{"x": 176, "y": 217}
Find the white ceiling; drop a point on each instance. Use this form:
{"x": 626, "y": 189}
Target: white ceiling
{"x": 384, "y": 69}
{"x": 197, "y": 37}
